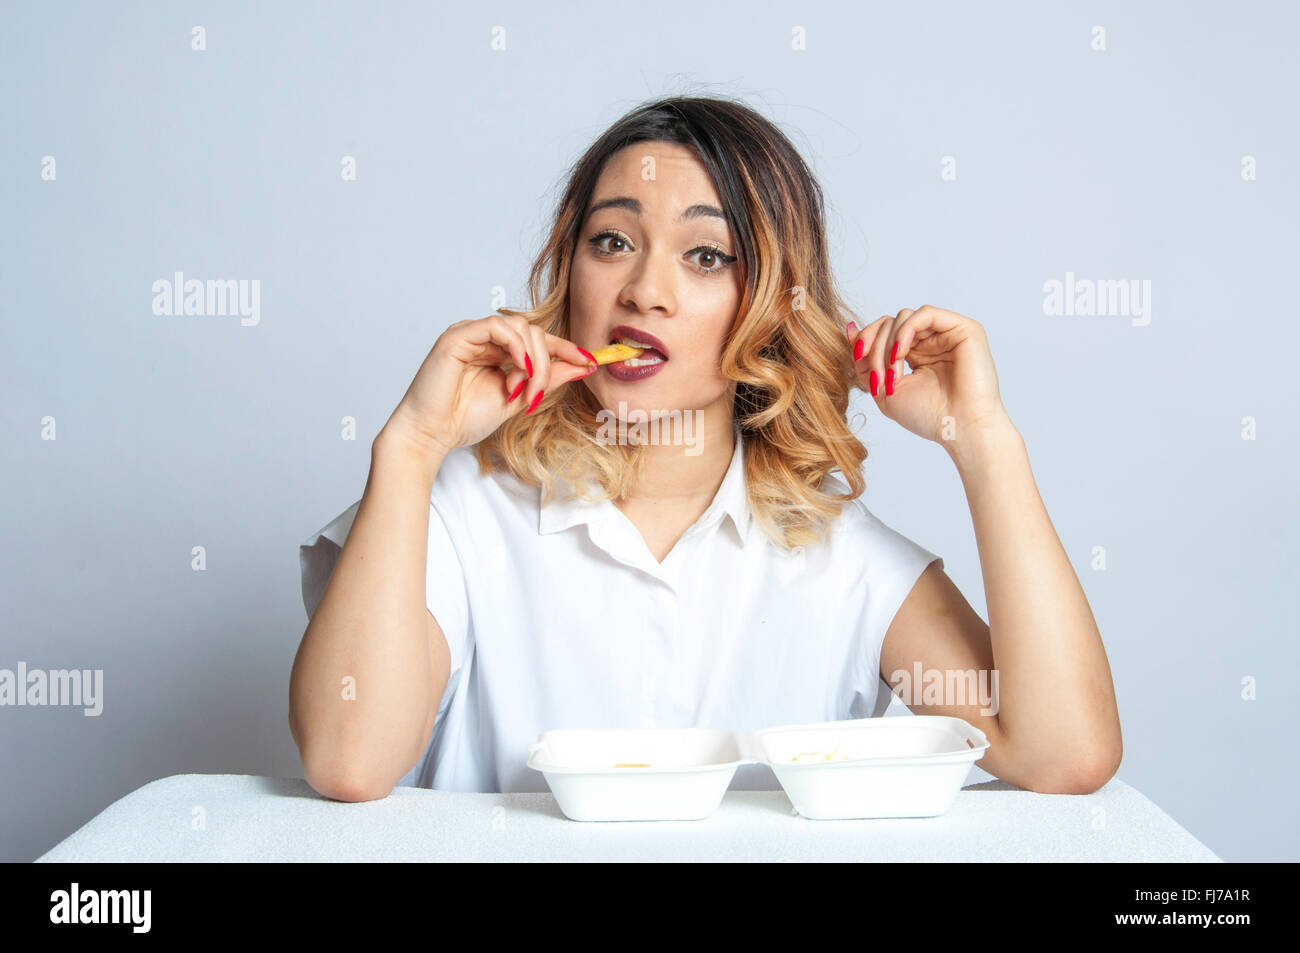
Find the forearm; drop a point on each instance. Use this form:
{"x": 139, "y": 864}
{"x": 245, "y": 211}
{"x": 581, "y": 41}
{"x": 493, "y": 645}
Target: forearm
{"x": 369, "y": 633}
{"x": 1056, "y": 697}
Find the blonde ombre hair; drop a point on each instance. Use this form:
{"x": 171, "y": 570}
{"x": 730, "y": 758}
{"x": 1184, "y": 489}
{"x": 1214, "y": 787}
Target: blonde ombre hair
{"x": 787, "y": 348}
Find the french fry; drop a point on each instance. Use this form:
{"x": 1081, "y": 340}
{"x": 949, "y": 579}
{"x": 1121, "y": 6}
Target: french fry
{"x": 616, "y": 352}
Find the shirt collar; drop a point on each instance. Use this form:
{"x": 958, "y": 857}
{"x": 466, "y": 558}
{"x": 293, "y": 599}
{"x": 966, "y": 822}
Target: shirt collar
{"x": 732, "y": 500}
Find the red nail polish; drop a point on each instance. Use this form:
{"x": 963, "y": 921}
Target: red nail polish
{"x": 537, "y": 399}
{"x": 518, "y": 388}
{"x": 591, "y": 357}
{"x": 889, "y": 382}
{"x": 528, "y": 363}
{"x": 894, "y": 356}
{"x": 857, "y": 351}
{"x": 875, "y": 384}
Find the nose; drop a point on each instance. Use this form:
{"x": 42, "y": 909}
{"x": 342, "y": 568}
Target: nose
{"x": 652, "y": 283}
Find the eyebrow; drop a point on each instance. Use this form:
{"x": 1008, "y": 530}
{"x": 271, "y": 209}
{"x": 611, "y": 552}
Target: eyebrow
{"x": 634, "y": 206}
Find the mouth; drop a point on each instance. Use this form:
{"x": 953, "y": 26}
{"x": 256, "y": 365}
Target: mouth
{"x": 653, "y": 349}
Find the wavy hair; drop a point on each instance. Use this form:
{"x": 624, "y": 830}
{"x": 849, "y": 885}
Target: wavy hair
{"x": 786, "y": 348}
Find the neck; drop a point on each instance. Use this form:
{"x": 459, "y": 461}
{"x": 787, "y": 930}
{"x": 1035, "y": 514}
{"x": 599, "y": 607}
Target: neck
{"x": 672, "y": 475}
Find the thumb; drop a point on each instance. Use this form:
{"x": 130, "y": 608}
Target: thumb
{"x": 562, "y": 372}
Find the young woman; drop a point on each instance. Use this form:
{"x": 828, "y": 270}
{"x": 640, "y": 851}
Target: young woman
{"x": 522, "y": 559}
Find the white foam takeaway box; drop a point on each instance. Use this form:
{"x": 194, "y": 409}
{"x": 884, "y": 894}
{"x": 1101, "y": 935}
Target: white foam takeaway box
{"x": 858, "y": 768}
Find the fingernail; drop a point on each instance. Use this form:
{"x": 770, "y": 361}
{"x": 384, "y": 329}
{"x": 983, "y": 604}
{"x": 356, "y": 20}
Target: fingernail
{"x": 852, "y": 329}
{"x": 518, "y": 388}
{"x": 528, "y": 363}
{"x": 875, "y": 384}
{"x": 894, "y": 356}
{"x": 857, "y": 350}
{"x": 537, "y": 399}
{"x": 590, "y": 357}
{"x": 889, "y": 382}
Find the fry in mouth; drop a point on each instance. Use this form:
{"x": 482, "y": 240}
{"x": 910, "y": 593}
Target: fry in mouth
{"x": 612, "y": 353}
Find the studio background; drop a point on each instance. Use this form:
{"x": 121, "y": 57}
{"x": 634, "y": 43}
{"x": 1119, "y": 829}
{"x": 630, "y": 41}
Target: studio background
{"x": 1127, "y": 163}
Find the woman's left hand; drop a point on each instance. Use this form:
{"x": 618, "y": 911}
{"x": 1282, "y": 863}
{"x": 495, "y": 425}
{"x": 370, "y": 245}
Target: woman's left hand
{"x": 952, "y": 388}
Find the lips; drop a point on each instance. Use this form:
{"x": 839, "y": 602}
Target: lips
{"x": 642, "y": 338}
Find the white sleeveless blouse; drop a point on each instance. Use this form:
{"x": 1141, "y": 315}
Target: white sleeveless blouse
{"x": 727, "y": 632}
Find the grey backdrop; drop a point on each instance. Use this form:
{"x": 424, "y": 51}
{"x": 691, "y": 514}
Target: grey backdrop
{"x": 1123, "y": 163}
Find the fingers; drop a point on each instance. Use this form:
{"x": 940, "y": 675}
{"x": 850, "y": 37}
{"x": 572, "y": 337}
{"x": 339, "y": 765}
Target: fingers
{"x": 562, "y": 372}
{"x": 569, "y": 352}
{"x": 498, "y": 331}
{"x": 887, "y": 357}
{"x": 526, "y": 378}
{"x": 568, "y": 362}
{"x": 556, "y": 362}
{"x": 911, "y": 326}
{"x": 882, "y": 346}
{"x": 876, "y": 357}
{"x": 538, "y": 360}
{"x": 516, "y": 380}
{"x": 866, "y": 348}
{"x": 903, "y": 333}
{"x": 541, "y": 378}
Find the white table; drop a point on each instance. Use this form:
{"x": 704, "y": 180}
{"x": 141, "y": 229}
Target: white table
{"x": 234, "y": 817}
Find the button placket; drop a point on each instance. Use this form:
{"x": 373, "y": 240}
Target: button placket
{"x": 652, "y": 669}
{"x": 683, "y": 707}
{"x": 646, "y": 708}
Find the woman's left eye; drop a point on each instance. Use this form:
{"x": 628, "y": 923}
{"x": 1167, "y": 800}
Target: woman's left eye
{"x": 715, "y": 255}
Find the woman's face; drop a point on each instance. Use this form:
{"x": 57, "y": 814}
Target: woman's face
{"x": 661, "y": 261}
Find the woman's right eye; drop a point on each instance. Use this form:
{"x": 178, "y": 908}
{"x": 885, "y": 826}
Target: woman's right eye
{"x": 597, "y": 240}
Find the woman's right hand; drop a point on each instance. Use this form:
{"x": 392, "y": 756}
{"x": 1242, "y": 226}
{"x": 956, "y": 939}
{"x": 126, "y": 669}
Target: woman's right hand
{"x": 462, "y": 391}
